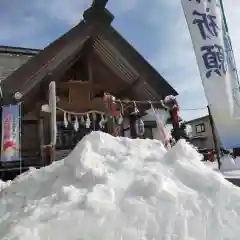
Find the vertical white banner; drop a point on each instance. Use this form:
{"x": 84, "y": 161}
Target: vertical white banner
{"x": 211, "y": 46}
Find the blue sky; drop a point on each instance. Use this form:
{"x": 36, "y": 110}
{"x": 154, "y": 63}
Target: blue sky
{"x": 156, "y": 28}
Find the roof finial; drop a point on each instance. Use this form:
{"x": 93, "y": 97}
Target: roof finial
{"x": 99, "y": 4}
{"x": 98, "y": 13}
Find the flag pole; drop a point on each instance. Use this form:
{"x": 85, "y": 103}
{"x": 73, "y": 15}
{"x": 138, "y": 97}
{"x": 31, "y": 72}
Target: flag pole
{"x": 214, "y": 137}
{"x": 227, "y": 31}
{"x": 224, "y": 16}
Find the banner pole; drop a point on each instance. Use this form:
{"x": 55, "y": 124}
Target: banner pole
{"x": 227, "y": 31}
{"x": 224, "y": 16}
{"x": 20, "y": 135}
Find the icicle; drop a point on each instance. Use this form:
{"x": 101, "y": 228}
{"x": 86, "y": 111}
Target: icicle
{"x": 65, "y": 121}
{"x": 88, "y": 121}
{"x": 82, "y": 120}
{"x": 76, "y": 124}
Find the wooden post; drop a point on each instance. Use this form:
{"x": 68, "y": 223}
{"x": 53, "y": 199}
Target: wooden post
{"x": 214, "y": 137}
{"x": 52, "y": 154}
{"x": 111, "y": 122}
{"x": 132, "y": 118}
{"x": 41, "y": 139}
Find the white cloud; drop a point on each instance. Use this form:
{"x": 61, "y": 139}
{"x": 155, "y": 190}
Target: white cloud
{"x": 28, "y": 19}
{"x": 69, "y": 11}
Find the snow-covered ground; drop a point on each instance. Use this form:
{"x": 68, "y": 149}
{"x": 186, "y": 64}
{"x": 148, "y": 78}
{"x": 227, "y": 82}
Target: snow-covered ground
{"x": 230, "y": 167}
{"x": 121, "y": 189}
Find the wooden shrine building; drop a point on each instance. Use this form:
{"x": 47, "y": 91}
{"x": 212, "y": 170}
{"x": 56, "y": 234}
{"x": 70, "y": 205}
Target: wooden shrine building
{"x": 90, "y": 59}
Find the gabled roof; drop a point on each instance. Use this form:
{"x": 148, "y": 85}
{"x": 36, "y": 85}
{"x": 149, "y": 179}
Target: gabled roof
{"x": 112, "y": 38}
{"x": 33, "y": 72}
{"x": 111, "y": 48}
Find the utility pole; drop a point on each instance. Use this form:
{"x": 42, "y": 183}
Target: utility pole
{"x": 214, "y": 137}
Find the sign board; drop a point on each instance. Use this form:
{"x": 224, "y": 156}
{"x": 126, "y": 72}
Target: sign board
{"x": 10, "y": 146}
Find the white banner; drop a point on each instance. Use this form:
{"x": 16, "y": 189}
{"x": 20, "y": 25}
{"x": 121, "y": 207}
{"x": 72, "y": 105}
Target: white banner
{"x": 216, "y": 65}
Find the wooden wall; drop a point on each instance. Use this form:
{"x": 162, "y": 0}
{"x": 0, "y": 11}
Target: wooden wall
{"x": 30, "y": 148}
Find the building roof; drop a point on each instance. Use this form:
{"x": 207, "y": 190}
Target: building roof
{"x": 11, "y": 58}
{"x": 50, "y": 63}
{"x": 19, "y": 50}
{"x": 197, "y": 119}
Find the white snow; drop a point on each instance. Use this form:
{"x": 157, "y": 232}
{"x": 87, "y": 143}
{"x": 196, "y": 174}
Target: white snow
{"x": 230, "y": 168}
{"x": 121, "y": 189}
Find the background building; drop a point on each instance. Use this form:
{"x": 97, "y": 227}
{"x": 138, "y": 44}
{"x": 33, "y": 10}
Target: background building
{"x": 202, "y": 136}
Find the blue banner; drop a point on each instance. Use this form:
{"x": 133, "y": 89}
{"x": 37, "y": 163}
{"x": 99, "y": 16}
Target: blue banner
{"x": 10, "y": 147}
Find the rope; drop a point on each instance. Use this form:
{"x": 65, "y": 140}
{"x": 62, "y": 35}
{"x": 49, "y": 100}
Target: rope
{"x": 103, "y": 113}
{"x": 82, "y": 113}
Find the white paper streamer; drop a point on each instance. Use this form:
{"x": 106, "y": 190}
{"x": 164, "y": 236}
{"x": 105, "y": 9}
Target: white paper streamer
{"x": 82, "y": 120}
{"x": 88, "y": 121}
{"x": 69, "y": 118}
{"x": 102, "y": 122}
{"x": 120, "y": 119}
{"x": 76, "y": 124}
{"x": 65, "y": 121}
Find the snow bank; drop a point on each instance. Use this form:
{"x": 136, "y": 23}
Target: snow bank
{"x": 230, "y": 168}
{"x": 228, "y": 163}
{"x": 121, "y": 189}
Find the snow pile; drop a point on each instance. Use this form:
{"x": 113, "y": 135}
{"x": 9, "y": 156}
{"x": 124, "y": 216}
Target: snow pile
{"x": 230, "y": 168}
{"x": 121, "y": 189}
{"x": 228, "y": 163}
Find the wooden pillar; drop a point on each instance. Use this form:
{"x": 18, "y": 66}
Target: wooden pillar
{"x": 41, "y": 138}
{"x": 52, "y": 154}
{"x": 47, "y": 139}
{"x": 132, "y": 119}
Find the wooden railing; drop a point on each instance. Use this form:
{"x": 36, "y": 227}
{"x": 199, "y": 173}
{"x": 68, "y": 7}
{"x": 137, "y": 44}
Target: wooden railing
{"x": 68, "y": 138}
